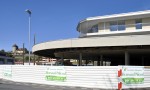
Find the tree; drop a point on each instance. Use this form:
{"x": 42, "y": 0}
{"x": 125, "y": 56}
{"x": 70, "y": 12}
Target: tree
{"x": 9, "y": 54}
{"x": 26, "y": 58}
{"x": 3, "y": 51}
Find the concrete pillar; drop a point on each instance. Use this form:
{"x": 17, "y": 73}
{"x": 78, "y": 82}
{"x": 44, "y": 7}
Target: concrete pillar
{"x": 77, "y": 62}
{"x": 80, "y": 59}
{"x": 86, "y": 61}
{"x": 98, "y": 62}
{"x": 62, "y": 59}
{"x": 101, "y": 58}
{"x": 51, "y": 61}
{"x": 142, "y": 61}
{"x": 93, "y": 62}
{"x": 104, "y": 63}
{"x": 127, "y": 58}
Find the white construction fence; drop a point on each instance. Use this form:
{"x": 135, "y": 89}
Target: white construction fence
{"x": 104, "y": 77}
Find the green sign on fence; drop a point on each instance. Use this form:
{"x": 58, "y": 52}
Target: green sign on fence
{"x": 133, "y": 74}
{"x": 7, "y": 71}
{"x": 55, "y": 74}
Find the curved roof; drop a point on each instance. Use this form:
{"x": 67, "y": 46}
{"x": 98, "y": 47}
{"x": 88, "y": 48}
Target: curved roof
{"x": 82, "y": 25}
{"x": 47, "y": 48}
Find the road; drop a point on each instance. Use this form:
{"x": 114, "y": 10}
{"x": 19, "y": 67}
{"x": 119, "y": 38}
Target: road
{"x": 10, "y": 85}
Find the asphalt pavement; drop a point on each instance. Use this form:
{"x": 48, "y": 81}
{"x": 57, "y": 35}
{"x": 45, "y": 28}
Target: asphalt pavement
{"x": 10, "y": 85}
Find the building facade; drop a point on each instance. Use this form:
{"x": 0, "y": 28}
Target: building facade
{"x": 119, "y": 39}
{"x": 18, "y": 51}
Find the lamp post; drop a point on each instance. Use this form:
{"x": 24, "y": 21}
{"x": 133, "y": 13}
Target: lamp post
{"x": 29, "y": 12}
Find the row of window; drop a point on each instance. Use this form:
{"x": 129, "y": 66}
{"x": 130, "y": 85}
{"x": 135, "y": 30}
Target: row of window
{"x": 118, "y": 26}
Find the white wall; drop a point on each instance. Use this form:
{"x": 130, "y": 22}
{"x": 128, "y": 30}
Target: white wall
{"x": 82, "y": 76}
{"x": 88, "y": 76}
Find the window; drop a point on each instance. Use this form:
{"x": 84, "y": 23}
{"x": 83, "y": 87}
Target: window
{"x": 94, "y": 29}
{"x": 117, "y": 25}
{"x": 113, "y": 26}
{"x": 121, "y": 25}
{"x": 138, "y": 24}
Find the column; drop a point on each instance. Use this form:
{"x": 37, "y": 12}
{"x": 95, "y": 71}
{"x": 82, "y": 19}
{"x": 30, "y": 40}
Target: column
{"x": 98, "y": 62}
{"x": 62, "y": 59}
{"x": 80, "y": 59}
{"x": 101, "y": 58}
{"x": 77, "y": 62}
{"x": 93, "y": 62}
{"x": 86, "y": 62}
{"x": 142, "y": 61}
{"x": 127, "y": 58}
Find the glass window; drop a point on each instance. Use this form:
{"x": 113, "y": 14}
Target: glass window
{"x": 113, "y": 26}
{"x": 2, "y": 60}
{"x": 117, "y": 25}
{"x": 138, "y": 24}
{"x": 94, "y": 29}
{"x": 121, "y": 25}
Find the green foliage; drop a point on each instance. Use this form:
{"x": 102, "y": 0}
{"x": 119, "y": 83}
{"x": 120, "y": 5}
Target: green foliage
{"x": 26, "y": 58}
{"x": 2, "y": 51}
{"x": 9, "y": 54}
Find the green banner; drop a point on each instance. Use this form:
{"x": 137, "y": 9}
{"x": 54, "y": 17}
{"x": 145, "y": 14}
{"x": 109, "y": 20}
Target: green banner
{"x": 55, "y": 74}
{"x": 7, "y": 71}
{"x": 55, "y": 78}
{"x": 132, "y": 74}
{"x": 133, "y": 80}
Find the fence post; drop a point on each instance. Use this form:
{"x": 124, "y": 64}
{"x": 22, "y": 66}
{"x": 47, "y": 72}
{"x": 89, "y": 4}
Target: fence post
{"x": 119, "y": 79}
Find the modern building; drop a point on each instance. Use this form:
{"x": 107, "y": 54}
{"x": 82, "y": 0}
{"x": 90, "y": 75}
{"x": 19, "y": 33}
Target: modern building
{"x": 118, "y": 39}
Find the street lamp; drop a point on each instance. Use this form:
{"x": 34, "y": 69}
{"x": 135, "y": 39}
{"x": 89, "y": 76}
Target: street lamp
{"x": 29, "y": 12}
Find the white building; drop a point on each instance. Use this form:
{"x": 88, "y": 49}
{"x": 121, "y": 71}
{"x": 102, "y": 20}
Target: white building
{"x": 122, "y": 39}
{"x": 18, "y": 51}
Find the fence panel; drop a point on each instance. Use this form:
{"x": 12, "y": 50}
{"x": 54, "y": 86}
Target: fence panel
{"x": 104, "y": 77}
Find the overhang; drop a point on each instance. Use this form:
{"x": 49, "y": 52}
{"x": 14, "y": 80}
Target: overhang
{"x": 49, "y": 48}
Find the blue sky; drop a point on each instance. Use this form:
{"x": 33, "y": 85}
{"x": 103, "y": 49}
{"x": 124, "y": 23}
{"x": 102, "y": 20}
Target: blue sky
{"x": 54, "y": 19}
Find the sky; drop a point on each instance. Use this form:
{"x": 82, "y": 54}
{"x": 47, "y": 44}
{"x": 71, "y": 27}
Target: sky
{"x": 54, "y": 19}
